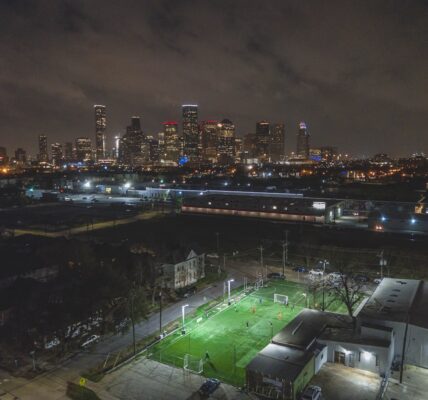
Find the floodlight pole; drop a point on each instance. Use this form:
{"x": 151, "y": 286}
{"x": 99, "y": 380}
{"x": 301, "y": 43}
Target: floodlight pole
{"x": 228, "y": 290}
{"x": 182, "y": 314}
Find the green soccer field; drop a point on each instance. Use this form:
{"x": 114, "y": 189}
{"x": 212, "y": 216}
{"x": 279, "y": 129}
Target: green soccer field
{"x": 227, "y": 340}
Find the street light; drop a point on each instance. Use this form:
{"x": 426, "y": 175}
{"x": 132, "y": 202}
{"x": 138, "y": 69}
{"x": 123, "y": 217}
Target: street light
{"x": 228, "y": 290}
{"x": 183, "y": 331}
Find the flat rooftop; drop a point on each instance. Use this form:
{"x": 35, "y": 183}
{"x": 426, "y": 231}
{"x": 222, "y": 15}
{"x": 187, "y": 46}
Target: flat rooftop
{"x": 393, "y": 300}
{"x": 280, "y": 362}
{"x": 306, "y": 327}
{"x": 262, "y": 203}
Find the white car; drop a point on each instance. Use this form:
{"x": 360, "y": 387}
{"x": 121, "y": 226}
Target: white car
{"x": 53, "y": 343}
{"x": 316, "y": 272}
{"x": 311, "y": 393}
{"x": 335, "y": 276}
{"x": 90, "y": 340}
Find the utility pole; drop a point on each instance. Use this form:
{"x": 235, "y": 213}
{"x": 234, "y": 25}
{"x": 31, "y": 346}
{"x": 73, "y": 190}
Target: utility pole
{"x": 284, "y": 253}
{"x": 382, "y": 263}
{"x": 133, "y": 322}
{"x": 261, "y": 258}
{"x": 160, "y": 312}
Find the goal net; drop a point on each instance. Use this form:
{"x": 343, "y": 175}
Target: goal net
{"x": 193, "y": 364}
{"x": 280, "y": 298}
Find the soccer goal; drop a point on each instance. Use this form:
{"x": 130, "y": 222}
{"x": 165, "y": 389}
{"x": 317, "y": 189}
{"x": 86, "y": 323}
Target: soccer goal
{"x": 280, "y": 298}
{"x": 193, "y": 364}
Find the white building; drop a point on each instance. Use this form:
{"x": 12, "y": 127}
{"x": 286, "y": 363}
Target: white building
{"x": 401, "y": 305}
{"x": 184, "y": 273}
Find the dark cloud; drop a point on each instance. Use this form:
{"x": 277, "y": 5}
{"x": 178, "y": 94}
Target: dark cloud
{"x": 356, "y": 71}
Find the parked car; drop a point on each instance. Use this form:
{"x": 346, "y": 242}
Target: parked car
{"x": 361, "y": 278}
{"x": 209, "y": 387}
{"x": 316, "y": 272}
{"x": 300, "y": 268}
{"x": 377, "y": 280}
{"x": 275, "y": 275}
{"x": 90, "y": 340}
{"x": 335, "y": 276}
{"x": 52, "y": 343}
{"x": 311, "y": 393}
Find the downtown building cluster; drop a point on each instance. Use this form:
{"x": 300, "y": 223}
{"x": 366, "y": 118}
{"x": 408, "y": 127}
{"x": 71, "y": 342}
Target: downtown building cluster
{"x": 191, "y": 141}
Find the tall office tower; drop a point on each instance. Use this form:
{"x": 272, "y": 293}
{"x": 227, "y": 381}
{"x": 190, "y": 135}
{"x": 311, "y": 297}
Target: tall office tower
{"x": 100, "y": 131}
{"x": 249, "y": 146}
{"x": 226, "y": 142}
{"x": 262, "y": 135}
{"x": 68, "y": 151}
{"x": 83, "y": 149}
{"x": 161, "y": 145}
{"x": 238, "y": 149}
{"x": 152, "y": 148}
{"x": 277, "y": 143}
{"x": 3, "y": 156}
{"x": 116, "y": 148}
{"x": 57, "y": 155}
{"x": 171, "y": 142}
{"x": 43, "y": 155}
{"x": 191, "y": 137}
{"x": 132, "y": 145}
{"x": 20, "y": 156}
{"x": 209, "y": 140}
{"x": 302, "y": 141}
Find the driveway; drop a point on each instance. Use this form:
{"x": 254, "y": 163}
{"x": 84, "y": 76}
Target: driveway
{"x": 343, "y": 383}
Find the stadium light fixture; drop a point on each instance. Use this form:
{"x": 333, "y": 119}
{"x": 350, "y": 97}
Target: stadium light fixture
{"x": 183, "y": 308}
{"x": 228, "y": 290}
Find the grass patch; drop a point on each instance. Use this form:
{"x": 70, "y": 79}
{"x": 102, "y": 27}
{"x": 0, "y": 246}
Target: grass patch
{"x": 77, "y": 392}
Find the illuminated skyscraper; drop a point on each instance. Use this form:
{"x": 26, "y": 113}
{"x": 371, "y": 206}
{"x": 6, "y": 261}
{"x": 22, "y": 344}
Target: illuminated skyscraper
{"x": 132, "y": 147}
{"x": 277, "y": 143}
{"x": 116, "y": 148}
{"x": 83, "y": 149}
{"x": 191, "y": 137}
{"x": 3, "y": 156}
{"x": 302, "y": 141}
{"x": 68, "y": 152}
{"x": 209, "y": 140}
{"x": 262, "y": 136}
{"x": 43, "y": 155}
{"x": 57, "y": 156}
{"x": 20, "y": 156}
{"x": 100, "y": 131}
{"x": 226, "y": 142}
{"x": 171, "y": 146}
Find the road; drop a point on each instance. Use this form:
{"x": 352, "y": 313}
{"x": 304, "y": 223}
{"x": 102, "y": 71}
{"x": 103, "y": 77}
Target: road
{"x": 88, "y": 228}
{"x": 52, "y": 385}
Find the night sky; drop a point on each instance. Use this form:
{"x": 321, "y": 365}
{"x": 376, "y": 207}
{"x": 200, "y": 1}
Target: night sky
{"x": 355, "y": 71}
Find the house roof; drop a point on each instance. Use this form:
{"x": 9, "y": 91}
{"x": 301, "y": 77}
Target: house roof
{"x": 280, "y": 362}
{"x": 393, "y": 300}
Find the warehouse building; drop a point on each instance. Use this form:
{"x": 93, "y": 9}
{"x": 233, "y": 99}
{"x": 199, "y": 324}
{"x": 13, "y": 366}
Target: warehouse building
{"x": 316, "y": 211}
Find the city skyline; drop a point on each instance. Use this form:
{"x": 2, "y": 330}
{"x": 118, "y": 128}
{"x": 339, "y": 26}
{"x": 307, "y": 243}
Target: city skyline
{"x": 353, "y": 72}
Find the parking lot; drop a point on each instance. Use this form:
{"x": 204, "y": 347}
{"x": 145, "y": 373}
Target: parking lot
{"x": 414, "y": 386}
{"x": 151, "y": 380}
{"x": 343, "y": 383}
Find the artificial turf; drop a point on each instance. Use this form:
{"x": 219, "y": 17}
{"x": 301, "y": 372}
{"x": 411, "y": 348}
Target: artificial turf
{"x": 226, "y": 338}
